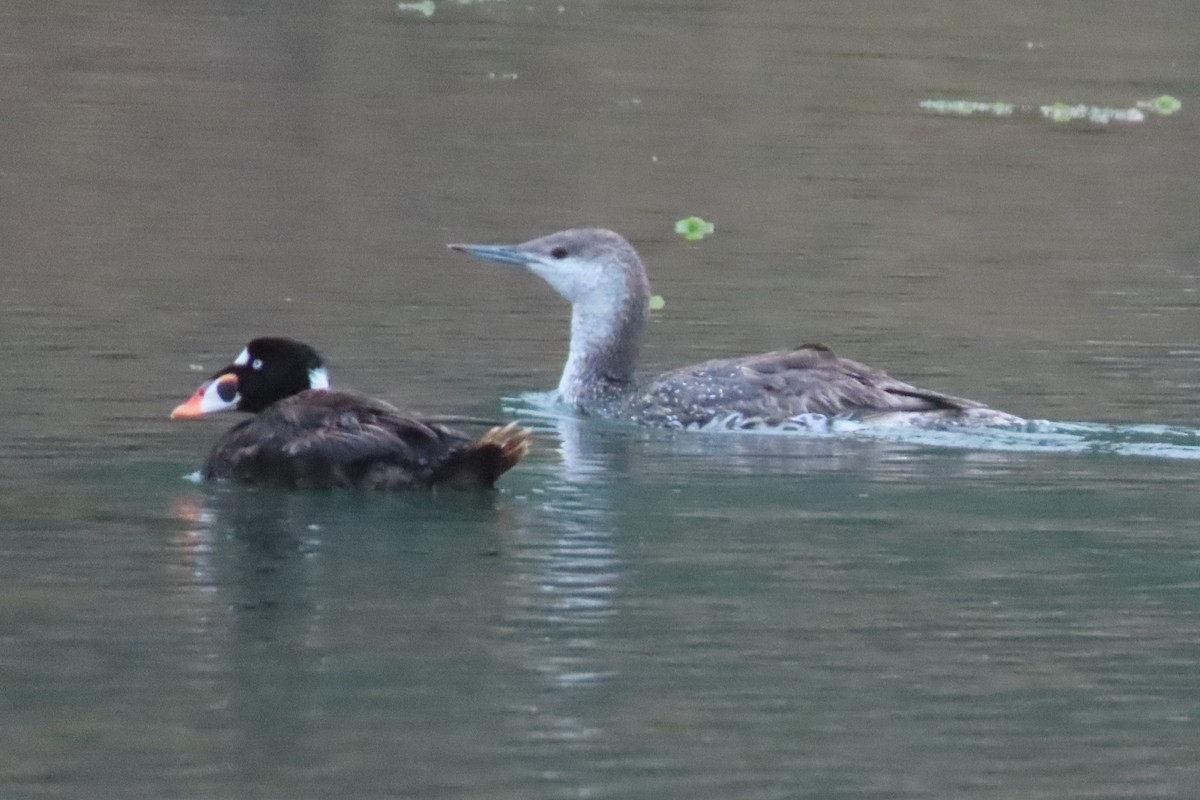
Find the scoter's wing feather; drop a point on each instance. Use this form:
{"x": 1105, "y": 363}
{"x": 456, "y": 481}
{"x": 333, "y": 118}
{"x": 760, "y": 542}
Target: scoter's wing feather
{"x": 783, "y": 384}
{"x": 324, "y": 438}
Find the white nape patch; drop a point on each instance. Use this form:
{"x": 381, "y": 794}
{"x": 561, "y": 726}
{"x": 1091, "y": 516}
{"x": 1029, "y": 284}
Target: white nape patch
{"x": 194, "y": 477}
{"x": 318, "y": 378}
{"x": 243, "y": 357}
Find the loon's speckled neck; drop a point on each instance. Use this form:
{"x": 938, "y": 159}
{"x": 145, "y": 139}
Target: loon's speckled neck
{"x": 606, "y": 336}
{"x": 601, "y": 275}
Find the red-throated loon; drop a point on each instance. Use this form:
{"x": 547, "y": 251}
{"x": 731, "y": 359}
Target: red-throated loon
{"x": 600, "y": 273}
{"x": 304, "y": 434}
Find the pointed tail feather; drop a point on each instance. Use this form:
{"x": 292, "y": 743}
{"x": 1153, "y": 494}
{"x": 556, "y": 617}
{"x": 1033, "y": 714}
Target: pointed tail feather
{"x": 511, "y": 440}
{"x": 481, "y": 463}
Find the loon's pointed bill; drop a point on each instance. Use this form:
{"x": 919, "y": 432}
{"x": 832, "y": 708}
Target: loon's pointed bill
{"x": 505, "y": 254}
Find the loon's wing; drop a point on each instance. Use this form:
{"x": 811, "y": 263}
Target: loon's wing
{"x": 782, "y": 384}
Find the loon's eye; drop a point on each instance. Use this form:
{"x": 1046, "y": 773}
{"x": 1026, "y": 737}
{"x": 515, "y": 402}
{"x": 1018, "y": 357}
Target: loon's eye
{"x": 256, "y": 364}
{"x": 558, "y": 252}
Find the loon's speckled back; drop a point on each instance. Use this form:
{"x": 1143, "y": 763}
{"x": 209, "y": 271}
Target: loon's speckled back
{"x": 601, "y": 275}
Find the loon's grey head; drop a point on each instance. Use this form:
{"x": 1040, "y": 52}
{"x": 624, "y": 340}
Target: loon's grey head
{"x": 600, "y": 273}
{"x": 590, "y": 267}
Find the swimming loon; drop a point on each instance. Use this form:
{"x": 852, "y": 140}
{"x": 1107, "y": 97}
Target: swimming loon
{"x": 600, "y": 273}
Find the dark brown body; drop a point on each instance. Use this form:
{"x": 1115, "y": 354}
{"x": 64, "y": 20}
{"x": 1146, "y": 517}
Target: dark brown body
{"x": 324, "y": 438}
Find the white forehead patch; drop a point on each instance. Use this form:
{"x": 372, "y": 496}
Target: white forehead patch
{"x": 318, "y": 378}
{"x": 243, "y": 357}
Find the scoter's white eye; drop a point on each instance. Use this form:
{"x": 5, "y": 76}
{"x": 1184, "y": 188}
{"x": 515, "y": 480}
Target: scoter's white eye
{"x": 256, "y": 364}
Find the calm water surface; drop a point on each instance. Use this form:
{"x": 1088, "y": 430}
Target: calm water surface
{"x": 634, "y": 613}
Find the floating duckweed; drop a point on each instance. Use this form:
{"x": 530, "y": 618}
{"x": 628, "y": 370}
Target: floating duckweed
{"x": 1164, "y": 106}
{"x": 1061, "y": 112}
{"x": 657, "y": 303}
{"x": 425, "y": 8}
{"x": 965, "y": 108}
{"x": 693, "y": 228}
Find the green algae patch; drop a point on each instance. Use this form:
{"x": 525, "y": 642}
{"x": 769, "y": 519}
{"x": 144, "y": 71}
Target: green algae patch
{"x": 967, "y": 108}
{"x": 1057, "y": 113}
{"x": 1164, "y": 105}
{"x": 694, "y": 228}
{"x": 425, "y": 8}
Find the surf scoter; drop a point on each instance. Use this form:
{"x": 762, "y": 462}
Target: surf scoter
{"x": 601, "y": 275}
{"x": 304, "y": 434}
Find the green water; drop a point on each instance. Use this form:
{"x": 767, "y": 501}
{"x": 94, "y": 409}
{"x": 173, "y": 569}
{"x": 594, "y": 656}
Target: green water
{"x": 634, "y": 614}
